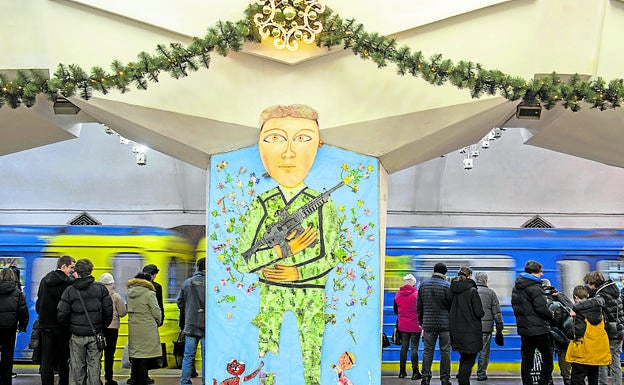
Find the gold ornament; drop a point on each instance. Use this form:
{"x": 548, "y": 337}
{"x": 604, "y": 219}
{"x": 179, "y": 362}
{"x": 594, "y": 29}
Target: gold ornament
{"x": 289, "y": 21}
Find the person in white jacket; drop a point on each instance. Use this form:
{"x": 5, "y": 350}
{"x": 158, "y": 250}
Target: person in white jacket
{"x": 112, "y": 331}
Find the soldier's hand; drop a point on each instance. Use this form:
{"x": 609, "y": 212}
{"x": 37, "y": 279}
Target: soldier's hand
{"x": 303, "y": 240}
{"x": 281, "y": 273}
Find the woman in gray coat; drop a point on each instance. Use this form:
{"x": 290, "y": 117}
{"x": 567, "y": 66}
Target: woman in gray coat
{"x": 144, "y": 317}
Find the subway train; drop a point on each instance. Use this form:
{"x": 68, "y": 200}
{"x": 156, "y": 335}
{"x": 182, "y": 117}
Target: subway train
{"x": 566, "y": 255}
{"x": 119, "y": 250}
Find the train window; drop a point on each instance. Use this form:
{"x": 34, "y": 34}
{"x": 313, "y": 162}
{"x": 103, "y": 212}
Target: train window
{"x": 41, "y": 267}
{"x": 125, "y": 266}
{"x": 178, "y": 271}
{"x": 612, "y": 269}
{"x": 499, "y": 268}
{"x": 18, "y": 262}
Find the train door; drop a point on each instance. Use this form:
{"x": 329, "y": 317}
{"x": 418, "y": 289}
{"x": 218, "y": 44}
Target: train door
{"x": 124, "y": 267}
{"x": 571, "y": 273}
{"x": 499, "y": 268}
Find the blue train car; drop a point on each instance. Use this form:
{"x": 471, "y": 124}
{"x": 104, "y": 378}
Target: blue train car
{"x": 119, "y": 250}
{"x": 566, "y": 254}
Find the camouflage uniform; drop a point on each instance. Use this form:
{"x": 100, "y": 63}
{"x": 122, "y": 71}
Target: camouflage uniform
{"x": 304, "y": 297}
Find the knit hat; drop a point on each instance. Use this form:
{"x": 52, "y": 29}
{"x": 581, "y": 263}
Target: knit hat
{"x": 107, "y": 279}
{"x": 440, "y": 268}
{"x": 409, "y": 280}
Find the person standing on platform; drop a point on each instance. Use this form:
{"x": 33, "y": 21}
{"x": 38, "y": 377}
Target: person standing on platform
{"x": 112, "y": 331}
{"x": 192, "y": 304}
{"x": 152, "y": 270}
{"x": 13, "y": 317}
{"x": 614, "y": 323}
{"x": 144, "y": 318}
{"x": 492, "y": 314}
{"x": 589, "y": 332}
{"x": 560, "y": 305}
{"x": 54, "y": 336}
{"x": 405, "y": 308}
{"x": 433, "y": 315}
{"x": 465, "y": 322}
{"x": 533, "y": 318}
{"x": 86, "y": 308}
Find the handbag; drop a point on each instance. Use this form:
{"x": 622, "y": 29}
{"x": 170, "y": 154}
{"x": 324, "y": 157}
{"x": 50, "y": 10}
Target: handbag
{"x": 396, "y": 334}
{"x": 159, "y": 362}
{"x": 100, "y": 340}
{"x": 499, "y": 339}
{"x": 178, "y": 349}
{"x": 385, "y": 341}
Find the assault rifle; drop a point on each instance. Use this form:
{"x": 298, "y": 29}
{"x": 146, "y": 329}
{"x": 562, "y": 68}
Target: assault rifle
{"x": 277, "y": 232}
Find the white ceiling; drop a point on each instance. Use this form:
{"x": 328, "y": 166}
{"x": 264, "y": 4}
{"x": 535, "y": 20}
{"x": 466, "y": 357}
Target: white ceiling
{"x": 402, "y": 120}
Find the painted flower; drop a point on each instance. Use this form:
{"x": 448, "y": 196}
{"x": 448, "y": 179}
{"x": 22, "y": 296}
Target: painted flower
{"x": 351, "y": 274}
{"x": 345, "y": 166}
{"x": 223, "y": 281}
{"x": 216, "y": 289}
{"x": 239, "y": 285}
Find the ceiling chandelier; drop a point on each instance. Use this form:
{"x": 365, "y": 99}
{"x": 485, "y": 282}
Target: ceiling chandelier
{"x": 289, "y": 21}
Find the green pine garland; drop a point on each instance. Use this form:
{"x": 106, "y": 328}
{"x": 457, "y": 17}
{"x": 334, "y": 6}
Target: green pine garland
{"x": 178, "y": 61}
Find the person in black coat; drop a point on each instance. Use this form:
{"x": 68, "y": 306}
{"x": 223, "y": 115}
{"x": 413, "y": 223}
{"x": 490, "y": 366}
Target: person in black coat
{"x": 608, "y": 290}
{"x": 533, "y": 319}
{"x": 54, "y": 342}
{"x": 433, "y": 316}
{"x": 465, "y": 322}
{"x": 87, "y": 308}
{"x": 13, "y": 316}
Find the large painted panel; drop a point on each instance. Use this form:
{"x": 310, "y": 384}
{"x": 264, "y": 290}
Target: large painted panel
{"x": 320, "y": 326}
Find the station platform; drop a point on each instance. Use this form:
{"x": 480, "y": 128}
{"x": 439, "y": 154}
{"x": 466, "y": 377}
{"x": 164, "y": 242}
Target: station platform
{"x": 30, "y": 376}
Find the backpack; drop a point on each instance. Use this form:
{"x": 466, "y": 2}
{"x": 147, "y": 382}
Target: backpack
{"x": 592, "y": 348}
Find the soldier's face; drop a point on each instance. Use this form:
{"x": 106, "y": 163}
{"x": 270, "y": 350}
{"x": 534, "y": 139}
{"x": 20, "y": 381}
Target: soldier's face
{"x": 288, "y": 147}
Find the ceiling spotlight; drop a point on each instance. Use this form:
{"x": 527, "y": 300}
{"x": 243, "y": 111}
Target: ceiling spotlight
{"x": 136, "y": 148}
{"x": 467, "y": 163}
{"x": 108, "y": 130}
{"x": 485, "y": 143}
{"x": 474, "y": 151}
{"x": 497, "y": 133}
{"x": 141, "y": 159}
{"x": 123, "y": 140}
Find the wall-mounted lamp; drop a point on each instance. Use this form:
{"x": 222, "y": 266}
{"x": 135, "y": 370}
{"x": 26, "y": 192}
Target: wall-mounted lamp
{"x": 528, "y": 111}
{"x": 62, "y": 106}
{"x": 141, "y": 159}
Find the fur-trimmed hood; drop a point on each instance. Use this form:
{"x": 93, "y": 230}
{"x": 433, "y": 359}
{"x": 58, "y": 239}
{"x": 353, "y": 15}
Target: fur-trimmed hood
{"x": 138, "y": 286}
